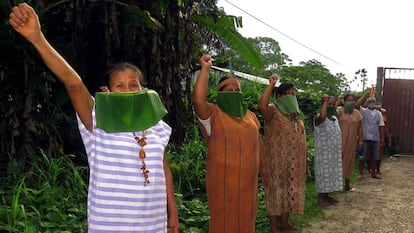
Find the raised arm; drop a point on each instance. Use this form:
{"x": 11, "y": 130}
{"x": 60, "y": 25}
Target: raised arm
{"x": 199, "y": 96}
{"x": 25, "y": 21}
{"x": 362, "y": 100}
{"x": 339, "y": 101}
{"x": 264, "y": 98}
{"x": 322, "y": 115}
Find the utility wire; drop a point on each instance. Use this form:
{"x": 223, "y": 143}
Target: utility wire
{"x": 283, "y": 34}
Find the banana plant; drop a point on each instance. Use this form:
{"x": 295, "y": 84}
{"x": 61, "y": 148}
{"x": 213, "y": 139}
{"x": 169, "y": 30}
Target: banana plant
{"x": 226, "y": 28}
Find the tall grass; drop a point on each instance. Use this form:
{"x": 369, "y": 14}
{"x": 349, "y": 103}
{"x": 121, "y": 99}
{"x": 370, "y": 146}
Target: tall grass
{"x": 51, "y": 197}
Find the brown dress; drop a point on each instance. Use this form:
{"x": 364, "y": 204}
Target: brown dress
{"x": 232, "y": 171}
{"x": 285, "y": 146}
{"x": 349, "y": 128}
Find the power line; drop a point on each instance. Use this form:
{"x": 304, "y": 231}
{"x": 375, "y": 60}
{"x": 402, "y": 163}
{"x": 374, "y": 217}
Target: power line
{"x": 283, "y": 34}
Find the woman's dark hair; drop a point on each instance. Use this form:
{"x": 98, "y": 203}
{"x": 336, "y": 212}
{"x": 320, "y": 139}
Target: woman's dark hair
{"x": 221, "y": 80}
{"x": 283, "y": 88}
{"x": 349, "y": 95}
{"x": 120, "y": 66}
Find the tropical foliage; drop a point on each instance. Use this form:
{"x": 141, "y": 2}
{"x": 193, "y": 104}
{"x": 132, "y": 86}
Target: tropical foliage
{"x": 43, "y": 170}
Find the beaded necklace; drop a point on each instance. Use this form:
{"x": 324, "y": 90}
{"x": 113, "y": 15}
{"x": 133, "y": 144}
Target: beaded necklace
{"x": 142, "y": 155}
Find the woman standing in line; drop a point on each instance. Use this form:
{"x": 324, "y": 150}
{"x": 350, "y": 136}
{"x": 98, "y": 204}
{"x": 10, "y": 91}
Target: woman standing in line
{"x": 351, "y": 131}
{"x": 130, "y": 183}
{"x": 328, "y": 152}
{"x": 235, "y": 152}
{"x": 285, "y": 149}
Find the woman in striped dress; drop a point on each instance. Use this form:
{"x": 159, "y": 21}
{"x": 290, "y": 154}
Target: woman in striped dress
{"x": 129, "y": 190}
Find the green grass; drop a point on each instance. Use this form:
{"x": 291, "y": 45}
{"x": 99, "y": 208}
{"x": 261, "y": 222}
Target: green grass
{"x": 51, "y": 195}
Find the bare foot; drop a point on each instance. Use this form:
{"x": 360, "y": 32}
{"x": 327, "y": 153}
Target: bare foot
{"x": 288, "y": 227}
{"x": 332, "y": 200}
{"x": 275, "y": 230}
{"x": 323, "y": 202}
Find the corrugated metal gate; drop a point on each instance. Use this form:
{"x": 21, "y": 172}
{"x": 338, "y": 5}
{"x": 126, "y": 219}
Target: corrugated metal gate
{"x": 395, "y": 90}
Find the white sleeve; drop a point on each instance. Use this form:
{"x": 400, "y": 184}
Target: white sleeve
{"x": 207, "y": 125}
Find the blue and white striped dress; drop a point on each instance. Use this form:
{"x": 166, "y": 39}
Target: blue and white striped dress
{"x": 118, "y": 201}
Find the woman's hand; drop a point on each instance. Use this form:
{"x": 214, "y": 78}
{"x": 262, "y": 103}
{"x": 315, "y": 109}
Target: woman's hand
{"x": 206, "y": 61}
{"x": 173, "y": 225}
{"x": 25, "y": 21}
{"x": 325, "y": 98}
{"x": 273, "y": 80}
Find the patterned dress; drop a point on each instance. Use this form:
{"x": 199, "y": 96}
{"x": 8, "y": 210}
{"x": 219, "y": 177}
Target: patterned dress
{"x": 328, "y": 156}
{"x": 349, "y": 133}
{"x": 285, "y": 146}
{"x": 232, "y": 171}
{"x": 118, "y": 201}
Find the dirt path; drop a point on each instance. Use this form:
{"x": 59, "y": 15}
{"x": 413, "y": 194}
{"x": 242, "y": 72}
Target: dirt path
{"x": 379, "y": 206}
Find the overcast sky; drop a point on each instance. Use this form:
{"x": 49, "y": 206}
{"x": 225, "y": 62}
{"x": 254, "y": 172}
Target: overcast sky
{"x": 343, "y": 35}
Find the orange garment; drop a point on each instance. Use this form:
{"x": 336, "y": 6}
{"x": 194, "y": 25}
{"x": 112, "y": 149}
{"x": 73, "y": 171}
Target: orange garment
{"x": 232, "y": 171}
{"x": 349, "y": 128}
{"x": 285, "y": 146}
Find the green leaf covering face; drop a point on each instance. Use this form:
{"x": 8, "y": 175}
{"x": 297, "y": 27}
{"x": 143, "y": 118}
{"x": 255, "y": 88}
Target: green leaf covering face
{"x": 128, "y": 111}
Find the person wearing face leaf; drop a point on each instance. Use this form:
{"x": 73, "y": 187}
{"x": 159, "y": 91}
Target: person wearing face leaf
{"x": 351, "y": 130}
{"x": 285, "y": 147}
{"x": 235, "y": 153}
{"x": 373, "y": 132}
{"x": 130, "y": 184}
{"x": 328, "y": 152}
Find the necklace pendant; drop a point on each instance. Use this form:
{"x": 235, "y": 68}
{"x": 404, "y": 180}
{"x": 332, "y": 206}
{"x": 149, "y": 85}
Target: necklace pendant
{"x": 142, "y": 142}
{"x": 142, "y": 154}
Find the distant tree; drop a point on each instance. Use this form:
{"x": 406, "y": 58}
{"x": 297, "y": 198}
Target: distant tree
{"x": 313, "y": 80}
{"x": 270, "y": 52}
{"x": 361, "y": 77}
{"x": 163, "y": 38}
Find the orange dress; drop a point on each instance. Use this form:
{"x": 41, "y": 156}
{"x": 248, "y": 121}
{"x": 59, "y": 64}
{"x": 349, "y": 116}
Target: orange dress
{"x": 232, "y": 171}
{"x": 349, "y": 129}
{"x": 285, "y": 146}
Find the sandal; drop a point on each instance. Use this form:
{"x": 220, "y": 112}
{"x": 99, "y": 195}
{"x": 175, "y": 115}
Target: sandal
{"x": 361, "y": 177}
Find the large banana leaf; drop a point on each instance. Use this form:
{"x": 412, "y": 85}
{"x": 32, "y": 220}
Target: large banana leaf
{"x": 225, "y": 27}
{"x": 142, "y": 17}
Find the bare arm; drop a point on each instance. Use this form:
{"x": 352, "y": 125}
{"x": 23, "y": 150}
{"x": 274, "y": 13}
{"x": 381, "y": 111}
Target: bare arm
{"x": 25, "y": 21}
{"x": 264, "y": 171}
{"x": 382, "y": 130}
{"x": 360, "y": 135}
{"x": 361, "y": 100}
{"x": 199, "y": 95}
{"x": 264, "y": 98}
{"x": 339, "y": 101}
{"x": 387, "y": 135}
{"x": 173, "y": 222}
{"x": 321, "y": 117}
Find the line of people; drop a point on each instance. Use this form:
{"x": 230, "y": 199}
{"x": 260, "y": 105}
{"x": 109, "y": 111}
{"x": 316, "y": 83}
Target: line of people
{"x": 343, "y": 127}
{"x": 236, "y": 153}
{"x": 131, "y": 187}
